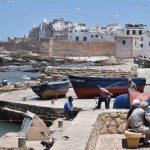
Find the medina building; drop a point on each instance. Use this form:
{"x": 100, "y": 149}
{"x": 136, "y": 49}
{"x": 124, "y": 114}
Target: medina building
{"x": 95, "y": 34}
{"x": 133, "y": 41}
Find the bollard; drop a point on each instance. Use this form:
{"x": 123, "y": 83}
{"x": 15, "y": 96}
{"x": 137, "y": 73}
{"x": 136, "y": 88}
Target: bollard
{"x": 60, "y": 123}
{"x": 24, "y": 98}
{"x": 52, "y": 101}
{"x": 21, "y": 142}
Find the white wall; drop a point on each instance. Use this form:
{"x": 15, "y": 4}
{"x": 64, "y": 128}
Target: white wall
{"x": 124, "y": 50}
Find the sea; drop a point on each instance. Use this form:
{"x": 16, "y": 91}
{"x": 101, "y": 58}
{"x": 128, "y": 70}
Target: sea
{"x": 14, "y": 74}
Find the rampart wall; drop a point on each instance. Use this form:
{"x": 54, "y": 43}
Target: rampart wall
{"x": 46, "y": 47}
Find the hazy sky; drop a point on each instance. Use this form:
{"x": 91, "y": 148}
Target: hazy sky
{"x": 18, "y": 16}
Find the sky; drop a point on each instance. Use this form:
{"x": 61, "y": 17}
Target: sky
{"x": 17, "y": 17}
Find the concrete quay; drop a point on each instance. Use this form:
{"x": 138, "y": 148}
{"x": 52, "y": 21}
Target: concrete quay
{"x": 82, "y": 124}
{"x": 78, "y": 130}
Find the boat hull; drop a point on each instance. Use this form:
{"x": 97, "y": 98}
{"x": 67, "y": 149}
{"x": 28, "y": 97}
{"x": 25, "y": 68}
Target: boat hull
{"x": 53, "y": 90}
{"x": 88, "y": 87}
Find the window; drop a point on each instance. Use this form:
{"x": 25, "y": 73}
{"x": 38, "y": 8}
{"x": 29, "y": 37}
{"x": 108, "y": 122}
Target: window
{"x": 75, "y": 31}
{"x": 101, "y": 37}
{"x": 149, "y": 43}
{"x": 133, "y": 32}
{"x": 84, "y": 38}
{"x": 91, "y": 36}
{"x": 123, "y": 42}
{"x": 141, "y": 45}
{"x": 77, "y": 38}
{"x": 96, "y": 36}
{"x": 141, "y": 38}
{"x": 128, "y": 32}
{"x": 70, "y": 31}
{"x": 140, "y": 32}
{"x": 135, "y": 43}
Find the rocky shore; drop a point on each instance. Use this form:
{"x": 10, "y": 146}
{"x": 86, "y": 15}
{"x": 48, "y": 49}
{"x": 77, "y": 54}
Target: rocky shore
{"x": 56, "y": 68}
{"x": 90, "y": 129}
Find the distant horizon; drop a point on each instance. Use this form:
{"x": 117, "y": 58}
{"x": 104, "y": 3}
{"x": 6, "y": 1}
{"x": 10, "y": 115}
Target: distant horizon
{"x": 18, "y": 17}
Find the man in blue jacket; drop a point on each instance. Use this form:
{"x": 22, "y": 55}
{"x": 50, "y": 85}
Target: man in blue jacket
{"x": 69, "y": 111}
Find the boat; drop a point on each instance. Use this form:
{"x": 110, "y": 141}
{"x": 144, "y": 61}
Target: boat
{"x": 143, "y": 62}
{"x": 88, "y": 87}
{"x": 49, "y": 90}
{"x": 125, "y": 101}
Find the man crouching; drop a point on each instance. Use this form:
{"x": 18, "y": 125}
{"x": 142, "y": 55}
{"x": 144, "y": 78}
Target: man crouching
{"x": 137, "y": 121}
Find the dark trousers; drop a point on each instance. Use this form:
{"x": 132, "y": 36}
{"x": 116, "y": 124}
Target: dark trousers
{"x": 71, "y": 114}
{"x": 106, "y": 100}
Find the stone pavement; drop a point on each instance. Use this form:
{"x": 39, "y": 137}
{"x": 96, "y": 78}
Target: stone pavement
{"x": 115, "y": 142}
{"x": 78, "y": 131}
{"x": 32, "y": 99}
{"x": 79, "y": 128}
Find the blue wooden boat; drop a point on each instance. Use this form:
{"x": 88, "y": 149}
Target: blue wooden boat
{"x": 125, "y": 101}
{"x": 88, "y": 87}
{"x": 49, "y": 90}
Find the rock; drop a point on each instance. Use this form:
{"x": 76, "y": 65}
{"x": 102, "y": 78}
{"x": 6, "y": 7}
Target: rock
{"x": 114, "y": 115}
{"x": 107, "y": 123}
{"x": 113, "y": 123}
{"x": 119, "y": 121}
{"x": 49, "y": 70}
{"x": 112, "y": 130}
{"x": 103, "y": 130}
{"x": 7, "y": 88}
{"x": 103, "y": 118}
{"x": 121, "y": 128}
{"x": 123, "y": 116}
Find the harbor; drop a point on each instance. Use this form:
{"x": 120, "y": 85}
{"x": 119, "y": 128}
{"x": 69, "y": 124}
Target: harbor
{"x": 83, "y": 126}
{"x": 74, "y": 75}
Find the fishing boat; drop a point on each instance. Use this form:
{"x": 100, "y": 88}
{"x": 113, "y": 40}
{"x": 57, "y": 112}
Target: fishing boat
{"x": 143, "y": 62}
{"x": 125, "y": 101}
{"x": 88, "y": 87}
{"x": 49, "y": 90}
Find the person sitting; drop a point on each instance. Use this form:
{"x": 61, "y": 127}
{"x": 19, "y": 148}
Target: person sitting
{"x": 137, "y": 121}
{"x": 136, "y": 104}
{"x": 105, "y": 96}
{"x": 4, "y": 82}
{"x": 69, "y": 111}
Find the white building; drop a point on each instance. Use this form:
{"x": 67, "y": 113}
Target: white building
{"x": 126, "y": 45}
{"x": 92, "y": 34}
{"x": 134, "y": 41}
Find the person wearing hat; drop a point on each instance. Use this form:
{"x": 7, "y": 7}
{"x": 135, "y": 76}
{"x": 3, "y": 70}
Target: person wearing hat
{"x": 137, "y": 121}
{"x": 132, "y": 85}
{"x": 69, "y": 111}
{"x": 135, "y": 104}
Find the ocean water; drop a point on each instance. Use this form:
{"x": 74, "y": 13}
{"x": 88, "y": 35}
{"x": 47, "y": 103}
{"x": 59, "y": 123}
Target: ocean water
{"x": 14, "y": 74}
{"x": 6, "y": 127}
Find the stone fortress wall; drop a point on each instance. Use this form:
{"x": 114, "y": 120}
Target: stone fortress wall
{"x": 68, "y": 48}
{"x": 48, "y": 47}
